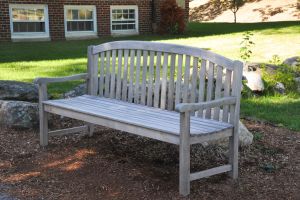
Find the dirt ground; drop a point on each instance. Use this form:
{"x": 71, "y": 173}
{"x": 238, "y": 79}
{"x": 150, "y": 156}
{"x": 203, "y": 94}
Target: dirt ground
{"x": 115, "y": 165}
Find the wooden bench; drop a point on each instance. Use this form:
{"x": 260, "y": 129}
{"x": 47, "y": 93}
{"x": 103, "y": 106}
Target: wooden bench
{"x": 167, "y": 92}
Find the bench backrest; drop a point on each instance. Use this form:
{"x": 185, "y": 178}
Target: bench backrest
{"x": 162, "y": 75}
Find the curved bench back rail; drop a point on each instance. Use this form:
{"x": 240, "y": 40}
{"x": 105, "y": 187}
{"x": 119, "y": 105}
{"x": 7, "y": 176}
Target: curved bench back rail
{"x": 163, "y": 75}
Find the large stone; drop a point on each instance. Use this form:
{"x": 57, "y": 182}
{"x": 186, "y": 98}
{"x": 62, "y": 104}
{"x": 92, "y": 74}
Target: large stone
{"x": 18, "y": 114}
{"x": 254, "y": 81}
{"x": 293, "y": 61}
{"x": 14, "y": 90}
{"x": 245, "y": 136}
{"x": 77, "y": 91}
{"x": 279, "y": 87}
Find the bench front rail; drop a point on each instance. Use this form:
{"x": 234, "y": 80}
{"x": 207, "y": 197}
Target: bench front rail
{"x": 176, "y": 94}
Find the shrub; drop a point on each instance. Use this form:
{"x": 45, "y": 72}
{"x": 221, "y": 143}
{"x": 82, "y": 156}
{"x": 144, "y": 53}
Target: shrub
{"x": 283, "y": 74}
{"x": 172, "y": 18}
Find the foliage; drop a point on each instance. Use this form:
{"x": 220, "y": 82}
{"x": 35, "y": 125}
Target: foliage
{"x": 282, "y": 74}
{"x": 234, "y": 6}
{"x": 172, "y": 18}
{"x": 276, "y": 60}
{"x": 246, "y": 45}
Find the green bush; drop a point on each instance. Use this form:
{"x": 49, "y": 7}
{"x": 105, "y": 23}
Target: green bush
{"x": 284, "y": 74}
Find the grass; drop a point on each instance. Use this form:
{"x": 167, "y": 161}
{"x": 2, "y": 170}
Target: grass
{"x": 25, "y": 61}
{"x": 281, "y": 110}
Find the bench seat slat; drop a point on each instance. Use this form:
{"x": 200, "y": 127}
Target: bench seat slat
{"x": 137, "y": 114}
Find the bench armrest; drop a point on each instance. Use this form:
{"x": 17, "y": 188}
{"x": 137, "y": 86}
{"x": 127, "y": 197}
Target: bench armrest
{"x": 61, "y": 79}
{"x": 189, "y": 107}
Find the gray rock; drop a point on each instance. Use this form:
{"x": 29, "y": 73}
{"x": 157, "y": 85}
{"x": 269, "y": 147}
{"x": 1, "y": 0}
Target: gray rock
{"x": 254, "y": 81}
{"x": 77, "y": 91}
{"x": 18, "y": 114}
{"x": 245, "y": 136}
{"x": 279, "y": 87}
{"x": 293, "y": 61}
{"x": 297, "y": 80}
{"x": 14, "y": 90}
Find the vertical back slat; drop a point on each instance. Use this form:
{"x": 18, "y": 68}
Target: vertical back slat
{"x": 119, "y": 83}
{"x": 201, "y": 90}
{"x": 178, "y": 81}
{"x": 93, "y": 60}
{"x": 186, "y": 79}
{"x": 137, "y": 80}
{"x": 125, "y": 74}
{"x": 150, "y": 79}
{"x": 218, "y": 90}
{"x": 101, "y": 81}
{"x": 157, "y": 80}
{"x": 144, "y": 78}
{"x": 113, "y": 75}
{"x": 107, "y": 75}
{"x": 163, "y": 94}
{"x": 194, "y": 81}
{"x": 210, "y": 82}
{"x": 131, "y": 76}
{"x": 227, "y": 87}
{"x": 171, "y": 83}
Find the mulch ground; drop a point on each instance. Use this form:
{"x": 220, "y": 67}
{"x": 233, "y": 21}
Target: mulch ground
{"x": 115, "y": 165}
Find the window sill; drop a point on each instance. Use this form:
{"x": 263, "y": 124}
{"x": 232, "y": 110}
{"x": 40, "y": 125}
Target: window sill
{"x": 124, "y": 33}
{"x": 81, "y": 35}
{"x": 20, "y": 37}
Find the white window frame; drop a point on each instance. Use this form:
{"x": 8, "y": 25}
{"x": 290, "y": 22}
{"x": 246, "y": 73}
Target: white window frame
{"x": 70, "y": 34}
{"x": 125, "y": 32}
{"x": 29, "y": 35}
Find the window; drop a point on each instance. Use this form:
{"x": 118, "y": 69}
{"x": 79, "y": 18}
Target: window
{"x": 29, "y": 20}
{"x": 80, "y": 20}
{"x": 124, "y": 19}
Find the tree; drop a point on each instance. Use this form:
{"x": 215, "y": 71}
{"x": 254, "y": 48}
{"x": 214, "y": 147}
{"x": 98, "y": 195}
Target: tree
{"x": 235, "y": 6}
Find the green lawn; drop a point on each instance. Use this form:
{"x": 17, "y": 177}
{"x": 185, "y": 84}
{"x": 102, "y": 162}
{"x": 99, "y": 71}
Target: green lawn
{"x": 25, "y": 61}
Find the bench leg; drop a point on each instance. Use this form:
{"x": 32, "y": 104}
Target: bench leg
{"x": 43, "y": 127}
{"x": 233, "y": 154}
{"x": 184, "y": 155}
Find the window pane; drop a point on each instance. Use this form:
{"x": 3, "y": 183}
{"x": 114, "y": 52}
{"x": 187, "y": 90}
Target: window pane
{"x": 131, "y": 16}
{"x": 69, "y": 15}
{"x": 29, "y": 26}
{"x": 31, "y": 15}
{"x": 82, "y": 14}
{"x": 89, "y": 14}
{"x": 28, "y": 14}
{"x": 40, "y": 14}
{"x": 74, "y": 14}
{"x": 80, "y": 26}
{"x": 89, "y": 26}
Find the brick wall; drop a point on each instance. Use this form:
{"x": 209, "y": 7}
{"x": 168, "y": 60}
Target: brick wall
{"x": 56, "y": 15}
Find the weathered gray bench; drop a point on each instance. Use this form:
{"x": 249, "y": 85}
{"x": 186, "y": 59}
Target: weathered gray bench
{"x": 137, "y": 87}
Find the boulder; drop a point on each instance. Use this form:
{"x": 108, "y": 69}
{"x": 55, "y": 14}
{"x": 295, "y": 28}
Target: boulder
{"x": 254, "y": 81}
{"x": 18, "y": 114}
{"x": 293, "y": 61}
{"x": 14, "y": 90}
{"x": 77, "y": 91}
{"x": 245, "y": 136}
{"x": 279, "y": 87}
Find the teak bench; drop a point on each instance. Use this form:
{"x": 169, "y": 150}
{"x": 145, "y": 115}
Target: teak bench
{"x": 167, "y": 92}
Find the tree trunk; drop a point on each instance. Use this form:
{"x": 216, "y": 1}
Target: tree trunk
{"x": 234, "y": 17}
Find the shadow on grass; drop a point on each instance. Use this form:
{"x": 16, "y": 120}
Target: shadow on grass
{"x": 37, "y": 51}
